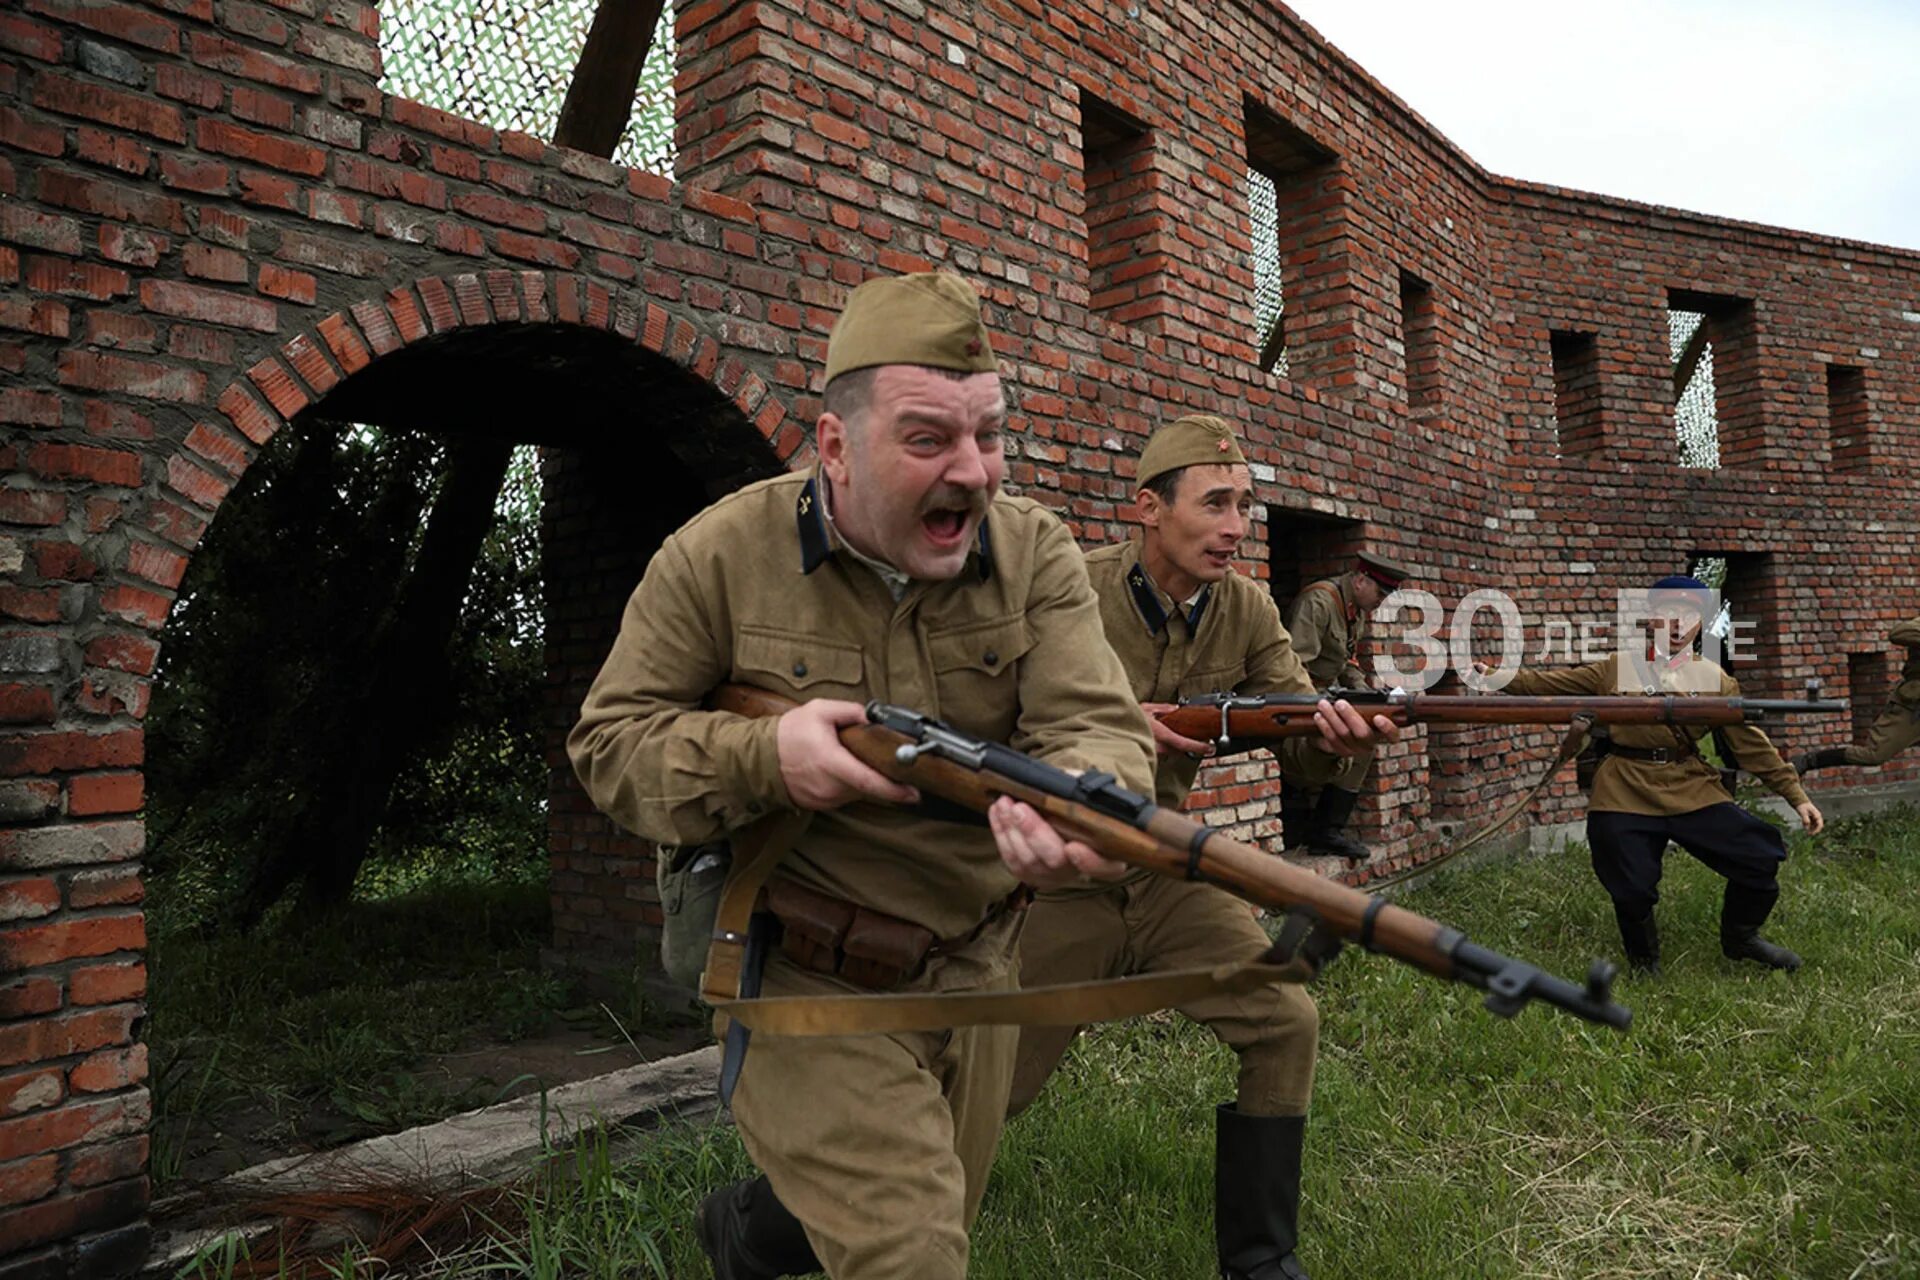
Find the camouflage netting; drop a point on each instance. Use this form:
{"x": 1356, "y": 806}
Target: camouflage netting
{"x": 508, "y": 63}
{"x": 1267, "y": 300}
{"x": 1696, "y": 418}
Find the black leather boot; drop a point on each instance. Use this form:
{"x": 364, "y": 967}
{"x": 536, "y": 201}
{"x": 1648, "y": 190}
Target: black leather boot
{"x": 1640, "y": 938}
{"x": 1328, "y": 832}
{"x": 1256, "y": 1194}
{"x": 749, "y": 1235}
{"x": 1742, "y": 912}
{"x": 1825, "y": 758}
{"x": 1296, "y": 816}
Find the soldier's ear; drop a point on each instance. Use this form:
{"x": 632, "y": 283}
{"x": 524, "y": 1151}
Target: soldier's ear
{"x": 1147, "y": 505}
{"x": 830, "y": 438}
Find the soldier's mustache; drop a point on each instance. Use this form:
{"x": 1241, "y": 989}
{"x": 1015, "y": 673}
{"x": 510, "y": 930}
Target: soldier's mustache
{"x": 954, "y": 498}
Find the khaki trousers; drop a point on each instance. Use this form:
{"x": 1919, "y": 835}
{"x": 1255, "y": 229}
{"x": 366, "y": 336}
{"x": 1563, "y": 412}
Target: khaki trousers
{"x": 880, "y": 1145}
{"x": 1155, "y": 924}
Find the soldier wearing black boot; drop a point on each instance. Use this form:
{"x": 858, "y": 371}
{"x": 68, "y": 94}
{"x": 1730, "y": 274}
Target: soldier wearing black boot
{"x": 749, "y": 1235}
{"x": 1653, "y": 787}
{"x": 1328, "y": 622}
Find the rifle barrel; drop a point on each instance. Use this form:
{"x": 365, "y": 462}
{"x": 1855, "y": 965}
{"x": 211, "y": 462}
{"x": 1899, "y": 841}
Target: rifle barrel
{"x": 1252, "y": 720}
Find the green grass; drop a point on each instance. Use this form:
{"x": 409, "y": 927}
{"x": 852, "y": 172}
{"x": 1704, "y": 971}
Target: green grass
{"x": 1752, "y": 1124}
{"x": 312, "y": 1031}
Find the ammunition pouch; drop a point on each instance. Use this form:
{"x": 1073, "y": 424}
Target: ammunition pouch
{"x": 689, "y": 878}
{"x": 865, "y": 947}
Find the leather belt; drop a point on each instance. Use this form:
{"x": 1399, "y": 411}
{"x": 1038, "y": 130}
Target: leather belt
{"x": 1652, "y": 755}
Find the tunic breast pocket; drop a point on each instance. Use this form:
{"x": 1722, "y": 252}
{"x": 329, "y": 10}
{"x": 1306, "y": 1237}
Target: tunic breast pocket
{"x": 976, "y": 675}
{"x": 801, "y": 666}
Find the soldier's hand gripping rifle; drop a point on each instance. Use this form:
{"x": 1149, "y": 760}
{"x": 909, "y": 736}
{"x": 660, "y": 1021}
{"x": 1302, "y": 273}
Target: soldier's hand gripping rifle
{"x": 1094, "y": 809}
{"x": 1229, "y": 720}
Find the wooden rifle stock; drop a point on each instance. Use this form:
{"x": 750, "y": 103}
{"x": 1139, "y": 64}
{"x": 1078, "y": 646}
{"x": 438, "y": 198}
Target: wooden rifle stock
{"x": 1125, "y": 827}
{"x": 1250, "y": 721}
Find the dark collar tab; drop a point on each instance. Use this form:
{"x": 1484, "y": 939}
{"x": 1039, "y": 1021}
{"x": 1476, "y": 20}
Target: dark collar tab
{"x": 815, "y": 545}
{"x": 985, "y": 547}
{"x": 1199, "y": 609}
{"x": 1146, "y": 600}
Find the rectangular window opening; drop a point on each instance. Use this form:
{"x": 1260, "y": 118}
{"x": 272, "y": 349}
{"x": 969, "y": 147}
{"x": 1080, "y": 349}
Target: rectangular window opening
{"x": 1748, "y": 624}
{"x": 1576, "y": 392}
{"x": 1420, "y": 335}
{"x": 1848, "y": 419}
{"x": 1713, "y": 346}
{"x": 1124, "y": 263}
{"x": 508, "y": 65}
{"x": 1281, "y": 161}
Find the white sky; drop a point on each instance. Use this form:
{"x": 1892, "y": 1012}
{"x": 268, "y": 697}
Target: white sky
{"x": 1798, "y": 113}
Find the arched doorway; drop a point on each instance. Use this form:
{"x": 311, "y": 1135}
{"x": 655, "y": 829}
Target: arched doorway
{"x": 633, "y": 435}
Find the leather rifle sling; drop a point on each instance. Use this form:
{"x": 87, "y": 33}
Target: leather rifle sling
{"x": 1570, "y": 746}
{"x": 1066, "y": 1004}
{"x": 757, "y": 849}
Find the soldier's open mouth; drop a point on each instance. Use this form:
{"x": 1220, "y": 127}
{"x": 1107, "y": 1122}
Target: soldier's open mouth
{"x": 945, "y": 526}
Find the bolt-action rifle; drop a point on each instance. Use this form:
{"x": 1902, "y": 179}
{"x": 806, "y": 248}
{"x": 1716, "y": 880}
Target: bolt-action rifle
{"x": 1093, "y": 808}
{"x": 1245, "y": 722}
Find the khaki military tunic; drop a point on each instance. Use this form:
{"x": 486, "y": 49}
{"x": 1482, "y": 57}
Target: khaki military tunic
{"x": 1327, "y": 627}
{"x": 880, "y": 1145}
{"x": 1229, "y": 638}
{"x": 1898, "y": 727}
{"x": 1650, "y": 787}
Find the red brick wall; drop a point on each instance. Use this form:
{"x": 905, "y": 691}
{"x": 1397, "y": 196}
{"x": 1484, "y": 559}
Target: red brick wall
{"x": 211, "y": 219}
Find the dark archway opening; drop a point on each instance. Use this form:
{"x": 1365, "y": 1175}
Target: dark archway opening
{"x": 370, "y": 857}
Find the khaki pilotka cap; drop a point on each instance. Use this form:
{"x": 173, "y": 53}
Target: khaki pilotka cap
{"x": 931, "y": 319}
{"x": 1196, "y": 440}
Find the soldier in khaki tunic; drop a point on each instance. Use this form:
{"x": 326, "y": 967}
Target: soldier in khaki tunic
{"x": 893, "y": 571}
{"x": 1653, "y": 786}
{"x": 1183, "y": 624}
{"x": 1898, "y": 726}
{"x": 1328, "y": 622}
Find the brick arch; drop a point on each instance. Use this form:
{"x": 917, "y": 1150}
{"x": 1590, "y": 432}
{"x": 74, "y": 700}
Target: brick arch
{"x": 121, "y": 619}
{"x": 304, "y": 368}
{"x": 121, "y": 616}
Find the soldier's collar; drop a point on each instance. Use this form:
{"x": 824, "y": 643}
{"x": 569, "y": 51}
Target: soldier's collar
{"x": 1147, "y": 601}
{"x": 1347, "y": 601}
{"x": 817, "y": 534}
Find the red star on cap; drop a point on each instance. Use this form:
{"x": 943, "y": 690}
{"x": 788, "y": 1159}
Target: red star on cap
{"x": 973, "y": 346}
{"x": 1224, "y": 444}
